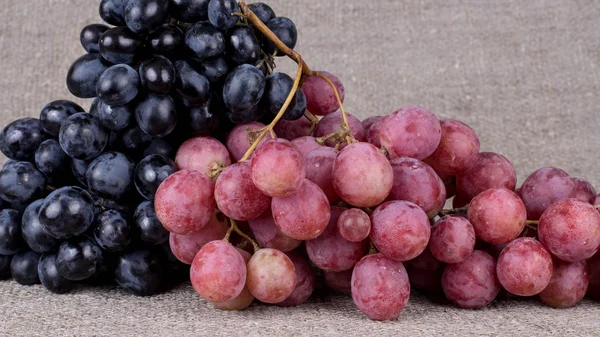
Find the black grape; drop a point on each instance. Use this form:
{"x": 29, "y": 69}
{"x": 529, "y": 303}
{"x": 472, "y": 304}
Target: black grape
{"x": 51, "y": 160}
{"x": 204, "y": 120}
{"x": 5, "y": 266}
{"x": 139, "y": 272}
{"x": 159, "y": 146}
{"x": 285, "y": 30}
{"x": 156, "y": 115}
{"x": 21, "y": 182}
{"x": 277, "y": 88}
{"x": 84, "y": 73}
{"x": 110, "y": 175}
{"x": 82, "y": 136}
{"x": 243, "y": 88}
{"x": 33, "y": 234}
{"x": 145, "y": 16}
{"x": 204, "y": 41}
{"x": 157, "y": 74}
{"x": 134, "y": 140}
{"x": 215, "y": 70}
{"x": 78, "y": 259}
{"x": 11, "y": 239}
{"x": 120, "y": 45}
{"x": 297, "y": 107}
{"x": 20, "y": 138}
{"x": 90, "y": 36}
{"x": 168, "y": 41}
{"x": 23, "y": 268}
{"x": 246, "y": 116}
{"x": 67, "y": 212}
{"x": 150, "y": 172}
{"x": 189, "y": 10}
{"x": 113, "y": 117}
{"x": 113, "y": 11}
{"x": 49, "y": 276}
{"x": 79, "y": 168}
{"x": 54, "y": 113}
{"x": 149, "y": 229}
{"x": 264, "y": 12}
{"x": 242, "y": 45}
{"x": 112, "y": 231}
{"x": 191, "y": 86}
{"x": 118, "y": 85}
{"x": 220, "y": 13}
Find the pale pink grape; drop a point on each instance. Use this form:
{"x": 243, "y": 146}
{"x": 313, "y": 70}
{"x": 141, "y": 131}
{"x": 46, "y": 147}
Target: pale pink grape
{"x": 305, "y": 281}
{"x": 241, "y": 137}
{"x": 291, "y": 130}
{"x": 543, "y": 188}
{"x": 498, "y": 215}
{"x": 236, "y": 195}
{"x": 306, "y": 144}
{"x": 268, "y": 235}
{"x": 203, "y": 154}
{"x": 271, "y": 275}
{"x": 354, "y": 225}
{"x": 584, "y": 191}
{"x": 277, "y": 168}
{"x": 452, "y": 239}
{"x": 490, "y": 171}
{"x": 568, "y": 284}
{"x": 320, "y": 97}
{"x": 368, "y": 122}
{"x": 373, "y": 133}
{"x": 319, "y": 169}
{"x": 524, "y": 267}
{"x": 185, "y": 247}
{"x": 334, "y": 122}
{"x": 457, "y": 151}
{"x": 245, "y": 298}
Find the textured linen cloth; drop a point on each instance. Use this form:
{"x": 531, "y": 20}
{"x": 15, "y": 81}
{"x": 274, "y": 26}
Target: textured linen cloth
{"x": 523, "y": 74}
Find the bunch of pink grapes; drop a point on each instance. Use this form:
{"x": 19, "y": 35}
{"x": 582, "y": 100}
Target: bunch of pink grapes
{"x": 367, "y": 210}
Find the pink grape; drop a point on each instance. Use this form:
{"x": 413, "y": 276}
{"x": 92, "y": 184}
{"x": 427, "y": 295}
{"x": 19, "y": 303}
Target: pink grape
{"x": 306, "y": 144}
{"x": 402, "y": 222}
{"x": 524, "y": 267}
{"x": 543, "y": 188}
{"x": 449, "y": 184}
{"x": 291, "y": 130}
{"x": 373, "y": 133}
{"x": 498, "y": 215}
{"x": 597, "y": 201}
{"x": 354, "y": 225}
{"x": 380, "y": 287}
{"x": 490, "y": 171}
{"x": 334, "y": 122}
{"x": 245, "y": 298}
{"x": 320, "y": 97}
{"x": 570, "y": 230}
{"x": 218, "y": 272}
{"x": 241, "y": 138}
{"x": 410, "y": 132}
{"x": 427, "y": 281}
{"x": 368, "y": 122}
{"x": 185, "y": 201}
{"x": 362, "y": 175}
{"x": 185, "y": 247}
{"x": 594, "y": 275}
{"x": 425, "y": 261}
{"x": 305, "y": 281}
{"x": 471, "y": 283}
{"x": 269, "y": 235}
{"x": 202, "y": 154}
{"x": 458, "y": 149}
{"x": 452, "y": 239}
{"x": 277, "y": 168}
{"x": 236, "y": 195}
{"x": 319, "y": 170}
{"x": 339, "y": 281}
{"x": 584, "y": 191}
{"x": 418, "y": 183}
{"x": 330, "y": 251}
{"x": 568, "y": 285}
{"x": 303, "y": 215}
{"x": 271, "y": 275}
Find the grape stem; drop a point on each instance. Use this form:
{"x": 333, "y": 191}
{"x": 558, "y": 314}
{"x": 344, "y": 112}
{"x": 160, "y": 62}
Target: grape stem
{"x": 303, "y": 70}
{"x": 234, "y": 228}
{"x": 313, "y": 121}
{"x": 338, "y": 136}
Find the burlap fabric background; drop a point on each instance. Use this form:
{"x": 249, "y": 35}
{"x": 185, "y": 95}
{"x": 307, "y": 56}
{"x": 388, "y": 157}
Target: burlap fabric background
{"x": 523, "y": 74}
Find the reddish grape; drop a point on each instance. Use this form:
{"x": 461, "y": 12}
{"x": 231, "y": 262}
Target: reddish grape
{"x": 380, "y": 287}
{"x": 368, "y": 122}
{"x": 185, "y": 201}
{"x": 568, "y": 284}
{"x": 410, "y": 132}
{"x": 203, "y": 154}
{"x": 333, "y": 123}
{"x": 362, "y": 175}
{"x": 339, "y": 281}
{"x": 449, "y": 184}
{"x": 303, "y": 215}
{"x": 427, "y": 281}
{"x": 240, "y": 302}
{"x": 418, "y": 183}
{"x": 277, "y": 168}
{"x": 594, "y": 275}
{"x": 524, "y": 267}
{"x": 570, "y": 230}
{"x": 269, "y": 235}
{"x": 185, "y": 247}
{"x": 425, "y": 261}
{"x": 291, "y": 130}
{"x": 373, "y": 133}
{"x": 452, "y": 239}
{"x": 306, "y": 144}
{"x": 271, "y": 276}
{"x": 471, "y": 283}
{"x": 354, "y": 225}
{"x": 597, "y": 201}
{"x": 320, "y": 97}
{"x": 218, "y": 272}
{"x": 241, "y": 138}
{"x": 457, "y": 151}
{"x": 402, "y": 222}
{"x": 543, "y": 188}
{"x": 305, "y": 281}
{"x": 236, "y": 195}
{"x": 330, "y": 251}
{"x": 490, "y": 171}
{"x": 584, "y": 191}
{"x": 319, "y": 170}
{"x": 460, "y": 201}
{"x": 498, "y": 215}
